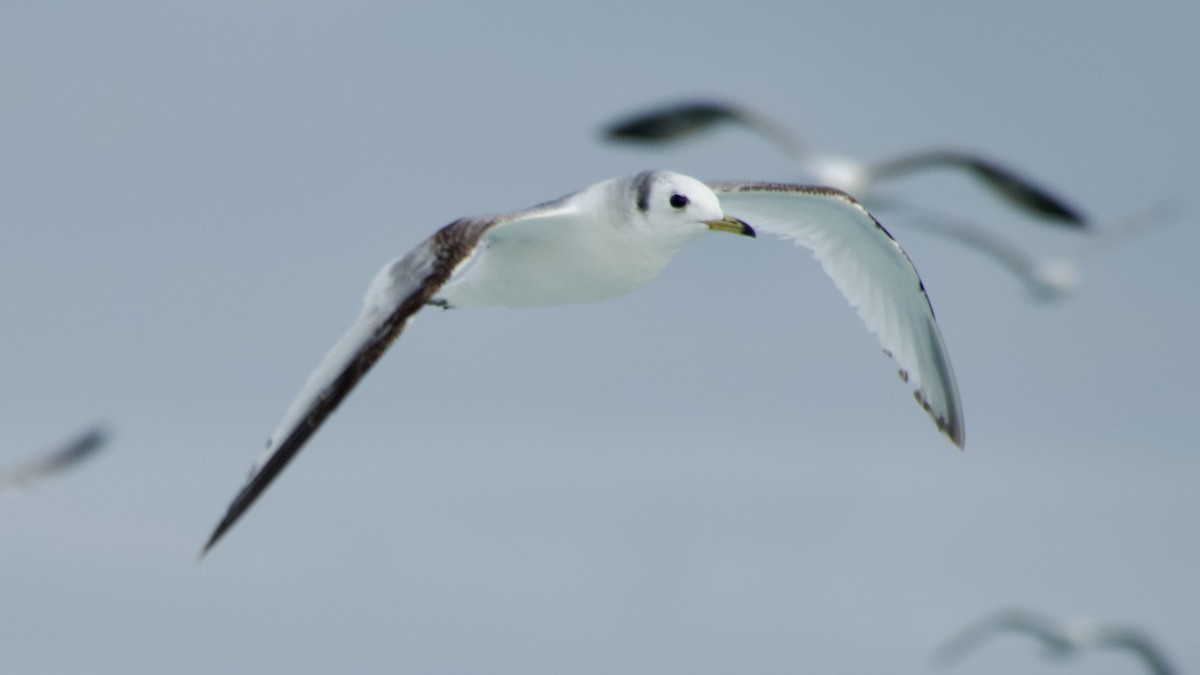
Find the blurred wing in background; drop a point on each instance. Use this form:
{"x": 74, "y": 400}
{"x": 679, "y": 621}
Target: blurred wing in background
{"x": 55, "y": 461}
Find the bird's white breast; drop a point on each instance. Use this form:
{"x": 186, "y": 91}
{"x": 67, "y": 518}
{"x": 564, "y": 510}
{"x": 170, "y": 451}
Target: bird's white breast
{"x": 587, "y": 251}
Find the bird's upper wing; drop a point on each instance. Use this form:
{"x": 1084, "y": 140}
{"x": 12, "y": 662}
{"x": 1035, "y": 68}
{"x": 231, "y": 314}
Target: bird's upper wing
{"x": 670, "y": 123}
{"x": 688, "y": 118}
{"x": 1019, "y": 191}
{"x": 54, "y": 461}
{"x": 871, "y": 270}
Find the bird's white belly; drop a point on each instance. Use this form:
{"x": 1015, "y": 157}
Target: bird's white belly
{"x": 519, "y": 273}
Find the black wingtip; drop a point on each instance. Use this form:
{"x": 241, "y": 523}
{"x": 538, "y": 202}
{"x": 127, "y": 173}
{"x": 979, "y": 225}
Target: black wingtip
{"x": 670, "y": 123}
{"x": 1048, "y": 206}
{"x": 231, "y": 517}
{"x": 87, "y": 444}
{"x": 213, "y": 539}
{"x": 260, "y": 479}
{"x": 1016, "y": 189}
{"x": 1027, "y": 195}
{"x": 247, "y": 496}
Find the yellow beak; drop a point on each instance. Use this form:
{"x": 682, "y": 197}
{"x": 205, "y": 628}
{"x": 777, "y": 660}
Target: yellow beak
{"x": 730, "y": 224}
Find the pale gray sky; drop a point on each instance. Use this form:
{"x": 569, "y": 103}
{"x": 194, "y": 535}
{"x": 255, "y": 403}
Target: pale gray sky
{"x": 718, "y": 473}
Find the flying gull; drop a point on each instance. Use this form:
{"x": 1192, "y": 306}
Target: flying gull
{"x": 53, "y": 462}
{"x": 609, "y": 239}
{"x": 690, "y": 118}
{"x": 1060, "y": 638}
{"x": 1049, "y": 278}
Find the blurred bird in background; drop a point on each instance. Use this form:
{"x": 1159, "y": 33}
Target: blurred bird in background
{"x": 55, "y": 461}
{"x": 1060, "y": 638}
{"x": 1047, "y": 277}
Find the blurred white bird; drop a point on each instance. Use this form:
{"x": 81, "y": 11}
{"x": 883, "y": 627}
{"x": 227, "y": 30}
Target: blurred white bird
{"x": 1048, "y": 278}
{"x": 54, "y": 461}
{"x": 1059, "y": 637}
{"x": 857, "y": 177}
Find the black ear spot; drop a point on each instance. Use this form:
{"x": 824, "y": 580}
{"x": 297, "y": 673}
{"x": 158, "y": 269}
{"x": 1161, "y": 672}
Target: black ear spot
{"x": 679, "y": 201}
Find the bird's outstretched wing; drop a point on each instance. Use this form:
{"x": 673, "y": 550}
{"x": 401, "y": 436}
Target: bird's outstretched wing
{"x": 1016, "y": 189}
{"x": 677, "y": 121}
{"x": 871, "y": 270}
{"x": 54, "y": 461}
{"x": 1048, "y": 630}
{"x": 691, "y": 118}
{"x": 1060, "y": 637}
{"x": 398, "y": 291}
{"x": 669, "y": 123}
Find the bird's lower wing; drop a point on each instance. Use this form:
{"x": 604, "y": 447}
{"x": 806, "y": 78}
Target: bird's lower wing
{"x": 871, "y": 271}
{"x": 969, "y": 234}
{"x": 399, "y": 290}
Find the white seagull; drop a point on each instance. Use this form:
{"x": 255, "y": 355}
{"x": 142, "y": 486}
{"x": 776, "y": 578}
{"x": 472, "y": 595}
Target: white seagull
{"x": 55, "y": 461}
{"x": 1060, "y": 638}
{"x": 1048, "y": 278}
{"x": 609, "y": 239}
{"x": 690, "y": 118}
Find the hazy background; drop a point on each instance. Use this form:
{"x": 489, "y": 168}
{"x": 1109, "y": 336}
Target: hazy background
{"x": 717, "y": 474}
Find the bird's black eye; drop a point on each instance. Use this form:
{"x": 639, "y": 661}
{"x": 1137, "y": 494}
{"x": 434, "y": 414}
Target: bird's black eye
{"x": 679, "y": 201}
